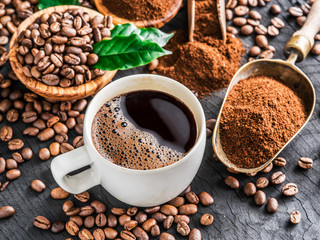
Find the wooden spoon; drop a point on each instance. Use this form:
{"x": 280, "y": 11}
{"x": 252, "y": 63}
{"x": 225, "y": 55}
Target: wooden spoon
{"x": 222, "y": 18}
{"x": 54, "y": 92}
{"x": 191, "y": 18}
{"x": 156, "y": 23}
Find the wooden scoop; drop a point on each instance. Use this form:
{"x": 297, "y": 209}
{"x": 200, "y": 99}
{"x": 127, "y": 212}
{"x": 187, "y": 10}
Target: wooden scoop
{"x": 221, "y": 6}
{"x": 286, "y": 72}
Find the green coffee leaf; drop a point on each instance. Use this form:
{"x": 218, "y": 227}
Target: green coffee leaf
{"x": 125, "y": 52}
{"x": 50, "y": 3}
{"x": 151, "y": 34}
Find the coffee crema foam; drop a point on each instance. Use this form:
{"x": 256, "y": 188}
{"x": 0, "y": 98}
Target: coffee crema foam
{"x": 120, "y": 142}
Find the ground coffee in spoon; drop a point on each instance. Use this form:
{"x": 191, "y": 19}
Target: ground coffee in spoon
{"x": 259, "y": 116}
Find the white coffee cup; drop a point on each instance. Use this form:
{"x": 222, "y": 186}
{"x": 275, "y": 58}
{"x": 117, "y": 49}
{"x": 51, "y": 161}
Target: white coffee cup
{"x": 142, "y": 188}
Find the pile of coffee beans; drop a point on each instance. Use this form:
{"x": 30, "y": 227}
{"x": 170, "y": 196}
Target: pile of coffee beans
{"x": 57, "y": 48}
{"x": 252, "y": 189}
{"x": 245, "y": 21}
{"x": 48, "y": 120}
{"x": 131, "y": 223}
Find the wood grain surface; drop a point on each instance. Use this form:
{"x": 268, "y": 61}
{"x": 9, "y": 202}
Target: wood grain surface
{"x": 235, "y": 215}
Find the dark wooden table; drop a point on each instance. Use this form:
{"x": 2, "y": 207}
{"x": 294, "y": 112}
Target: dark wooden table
{"x": 236, "y": 216}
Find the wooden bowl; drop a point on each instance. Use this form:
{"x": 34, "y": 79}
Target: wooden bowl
{"x": 54, "y": 92}
{"x": 156, "y": 23}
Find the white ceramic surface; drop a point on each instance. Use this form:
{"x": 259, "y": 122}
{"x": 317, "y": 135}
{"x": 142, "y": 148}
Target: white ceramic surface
{"x": 142, "y": 188}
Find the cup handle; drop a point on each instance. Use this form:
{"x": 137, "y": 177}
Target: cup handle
{"x": 62, "y": 165}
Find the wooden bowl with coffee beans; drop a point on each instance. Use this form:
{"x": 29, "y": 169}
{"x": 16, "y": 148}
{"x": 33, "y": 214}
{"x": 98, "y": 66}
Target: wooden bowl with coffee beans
{"x": 145, "y": 23}
{"x": 51, "y": 52}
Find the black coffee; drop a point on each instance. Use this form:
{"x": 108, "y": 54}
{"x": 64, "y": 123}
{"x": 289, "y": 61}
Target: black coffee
{"x": 144, "y": 130}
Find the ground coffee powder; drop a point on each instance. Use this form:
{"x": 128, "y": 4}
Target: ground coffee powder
{"x": 139, "y": 9}
{"x": 207, "y": 64}
{"x": 259, "y": 116}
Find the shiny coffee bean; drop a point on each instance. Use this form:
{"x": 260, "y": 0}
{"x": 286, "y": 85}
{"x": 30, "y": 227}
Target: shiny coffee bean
{"x": 141, "y": 217}
{"x": 290, "y": 189}
{"x": 205, "y": 199}
{"x": 259, "y": 198}
{"x": 38, "y": 186}
{"x": 98, "y": 234}
{"x": 280, "y": 162}
{"x": 112, "y": 221}
{"x": 171, "y": 210}
{"x": 89, "y": 222}
{"x": 295, "y": 217}
{"x": 57, "y": 227}
{"x": 249, "y": 189}
{"x": 147, "y": 225}
{"x": 177, "y": 201}
{"x": 206, "y": 219}
{"x": 41, "y": 222}
{"x": 101, "y": 220}
{"x": 59, "y": 193}
{"x": 305, "y": 162}
{"x": 272, "y": 205}
{"x": 188, "y": 209}
{"x": 262, "y": 182}
{"x": 231, "y": 182}
{"x": 6, "y": 212}
{"x": 167, "y": 223}
{"x": 110, "y": 233}
{"x": 13, "y": 174}
{"x": 277, "y": 177}
{"x": 72, "y": 228}
{"x": 44, "y": 154}
{"x": 98, "y": 206}
{"x": 82, "y": 197}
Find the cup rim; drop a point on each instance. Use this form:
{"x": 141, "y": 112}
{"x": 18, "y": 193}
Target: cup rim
{"x": 201, "y": 135}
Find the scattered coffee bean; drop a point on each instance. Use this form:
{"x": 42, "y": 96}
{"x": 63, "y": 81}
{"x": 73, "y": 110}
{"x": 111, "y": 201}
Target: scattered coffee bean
{"x": 188, "y": 209}
{"x": 249, "y": 189}
{"x": 255, "y": 50}
{"x": 178, "y": 218}
{"x": 260, "y": 198}
{"x": 195, "y": 234}
{"x": 278, "y": 23}
{"x": 301, "y": 20}
{"x": 241, "y": 10}
{"x": 239, "y": 21}
{"x": 11, "y": 164}
{"x": 267, "y": 168}
{"x": 159, "y": 217}
{"x": 205, "y": 199}
{"x": 262, "y": 182}
{"x": 6, "y": 212}
{"x": 272, "y": 205}
{"x": 77, "y": 219}
{"x": 273, "y": 30}
{"x": 27, "y": 153}
{"x": 82, "y": 197}
{"x": 57, "y": 227}
{"x": 86, "y": 211}
{"x": 167, "y": 223}
{"x": 184, "y": 229}
{"x": 305, "y": 162}
{"x": 15, "y": 144}
{"x": 140, "y": 233}
{"x": 316, "y": 49}
{"x": 38, "y": 186}
{"x": 41, "y": 222}
{"x": 118, "y": 211}
{"x": 295, "y": 11}
{"x": 177, "y": 201}
{"x": 260, "y": 29}
{"x": 98, "y": 234}
{"x": 155, "y": 231}
{"x": 280, "y": 162}
{"x": 85, "y": 234}
{"x": 147, "y": 225}
{"x": 206, "y": 219}
{"x": 277, "y": 177}
{"x": 13, "y": 174}
{"x": 290, "y": 189}
{"x": 6, "y": 133}
{"x": 141, "y": 217}
{"x": 295, "y": 217}
{"x": 246, "y": 30}
{"x": 98, "y": 206}
{"x": 126, "y": 235}
{"x": 59, "y": 193}
{"x": 192, "y": 198}
{"x": 44, "y": 154}
{"x": 110, "y": 233}
{"x": 275, "y": 9}
{"x": 131, "y": 224}
{"x": 89, "y": 222}
{"x": 151, "y": 210}
{"x": 123, "y": 219}
{"x": 72, "y": 228}
{"x": 166, "y": 236}
{"x": 231, "y": 182}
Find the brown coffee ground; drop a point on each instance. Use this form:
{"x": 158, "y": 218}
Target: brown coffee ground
{"x": 207, "y": 64}
{"x": 139, "y": 9}
{"x": 259, "y": 116}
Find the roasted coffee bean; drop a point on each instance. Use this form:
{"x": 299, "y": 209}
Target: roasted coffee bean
{"x": 98, "y": 206}
{"x": 305, "y": 162}
{"x": 166, "y": 236}
{"x": 208, "y": 133}
{"x": 6, "y": 212}
{"x": 41, "y": 222}
{"x": 246, "y": 30}
{"x": 54, "y": 148}
{"x": 59, "y": 193}
{"x": 267, "y": 54}
{"x": 301, "y": 20}
{"x": 50, "y": 79}
{"x": 44, "y": 154}
{"x": 305, "y": 8}
{"x": 277, "y": 22}
{"x": 101, "y": 220}
{"x": 80, "y": 105}
{"x": 110, "y": 233}
{"x": 188, "y": 209}
{"x": 260, "y": 198}
{"x": 29, "y": 116}
{"x": 295, "y": 217}
{"x": 141, "y": 217}
{"x": 290, "y": 189}
{"x": 178, "y": 218}
{"x": 275, "y": 9}
{"x": 61, "y": 138}
{"x": 262, "y": 182}
{"x": 89, "y": 222}
{"x": 255, "y": 15}
{"x": 192, "y": 197}
{"x": 27, "y": 153}
{"x": 147, "y": 225}
{"x": 277, "y": 177}
{"x": 38, "y": 186}
{"x": 280, "y": 162}
{"x": 98, "y": 234}
{"x": 123, "y": 219}
{"x": 60, "y": 128}
{"x": 272, "y": 205}
{"x": 15, "y": 144}
{"x": 132, "y": 210}
{"x": 85, "y": 234}
{"x": 195, "y": 234}
{"x": 316, "y": 49}
{"x": 206, "y": 219}
{"x": 167, "y": 223}
{"x": 241, "y": 10}
{"x": 12, "y": 115}
{"x": 183, "y": 228}
{"x": 231, "y": 182}
{"x": 151, "y": 210}
{"x": 6, "y": 133}
{"x": 2, "y": 165}
{"x": 268, "y": 168}
{"x": 155, "y": 231}
{"x": 82, "y": 197}
{"x": 131, "y": 224}
{"x": 232, "y": 30}
{"x": 140, "y": 233}
{"x": 57, "y": 227}
{"x": 272, "y": 30}
{"x": 66, "y": 147}
{"x": 172, "y": 210}
{"x": 5, "y": 105}
{"x": 46, "y": 134}
{"x": 255, "y": 51}
{"x": 11, "y": 164}
{"x": 31, "y": 131}
{"x": 92, "y": 59}
{"x": 159, "y": 217}
{"x": 67, "y": 205}
{"x": 253, "y": 22}
{"x": 126, "y": 235}
{"x": 86, "y": 211}
{"x": 112, "y": 221}
{"x": 39, "y": 123}
{"x": 3, "y": 186}
{"x": 77, "y": 219}
{"x": 177, "y": 201}
{"x": 72, "y": 228}
{"x": 261, "y": 41}
{"x": 260, "y": 29}
{"x": 239, "y": 21}
{"x": 249, "y": 189}
{"x": 295, "y": 11}
{"x": 71, "y": 123}
{"x": 231, "y": 4}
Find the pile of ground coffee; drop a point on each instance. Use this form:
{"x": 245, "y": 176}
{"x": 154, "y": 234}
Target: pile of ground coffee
{"x": 207, "y": 64}
{"x": 139, "y": 9}
{"x": 259, "y": 116}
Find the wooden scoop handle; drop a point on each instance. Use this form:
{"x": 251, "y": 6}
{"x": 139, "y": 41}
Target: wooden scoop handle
{"x": 302, "y": 40}
{"x": 191, "y": 18}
